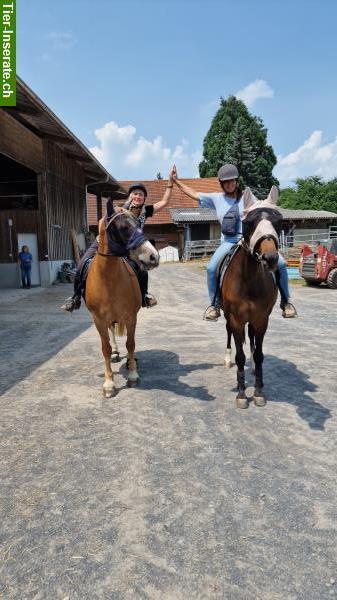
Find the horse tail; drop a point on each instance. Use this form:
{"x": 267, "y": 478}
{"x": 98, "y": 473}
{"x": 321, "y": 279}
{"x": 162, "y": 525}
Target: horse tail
{"x": 120, "y": 329}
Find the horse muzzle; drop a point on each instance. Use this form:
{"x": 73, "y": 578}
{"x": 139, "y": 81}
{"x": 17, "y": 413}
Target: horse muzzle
{"x": 147, "y": 256}
{"x": 151, "y": 262}
{"x": 270, "y": 260}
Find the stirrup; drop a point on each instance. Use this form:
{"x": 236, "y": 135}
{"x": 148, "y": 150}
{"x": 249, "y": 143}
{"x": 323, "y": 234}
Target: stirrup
{"x": 212, "y": 313}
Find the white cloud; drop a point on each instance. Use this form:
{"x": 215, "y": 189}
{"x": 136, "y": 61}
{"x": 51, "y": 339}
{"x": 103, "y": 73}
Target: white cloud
{"x": 127, "y": 156}
{"x": 254, "y": 91}
{"x": 61, "y": 40}
{"x": 311, "y": 158}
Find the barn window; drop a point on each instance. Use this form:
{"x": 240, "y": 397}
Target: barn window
{"x": 18, "y": 186}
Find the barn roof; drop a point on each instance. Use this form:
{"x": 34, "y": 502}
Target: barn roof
{"x": 203, "y": 215}
{"x": 31, "y": 111}
{"x": 307, "y": 215}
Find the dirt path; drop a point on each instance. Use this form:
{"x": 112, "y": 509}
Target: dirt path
{"x": 167, "y": 491}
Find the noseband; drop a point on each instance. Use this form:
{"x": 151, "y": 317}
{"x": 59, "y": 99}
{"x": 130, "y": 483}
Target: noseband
{"x": 257, "y": 256}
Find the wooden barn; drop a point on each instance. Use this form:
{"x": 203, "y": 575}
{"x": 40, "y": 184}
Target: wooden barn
{"x": 161, "y": 227}
{"x": 45, "y": 174}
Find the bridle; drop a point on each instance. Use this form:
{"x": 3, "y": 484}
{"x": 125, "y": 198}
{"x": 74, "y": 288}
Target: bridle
{"x": 257, "y": 256}
{"x": 122, "y": 247}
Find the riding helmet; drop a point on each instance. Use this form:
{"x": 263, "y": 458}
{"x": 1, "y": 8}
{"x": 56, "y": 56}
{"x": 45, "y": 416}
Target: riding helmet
{"x": 227, "y": 172}
{"x": 137, "y": 186}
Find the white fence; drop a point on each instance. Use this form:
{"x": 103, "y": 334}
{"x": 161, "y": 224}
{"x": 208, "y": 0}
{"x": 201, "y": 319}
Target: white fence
{"x": 289, "y": 241}
{"x": 200, "y": 248}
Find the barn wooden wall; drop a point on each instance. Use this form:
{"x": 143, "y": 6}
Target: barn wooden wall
{"x": 61, "y": 194}
{"x": 26, "y": 148}
{"x": 62, "y": 200}
{"x": 24, "y": 221}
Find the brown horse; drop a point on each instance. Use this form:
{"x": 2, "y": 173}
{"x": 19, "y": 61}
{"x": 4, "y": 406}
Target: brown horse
{"x": 249, "y": 290}
{"x": 112, "y": 292}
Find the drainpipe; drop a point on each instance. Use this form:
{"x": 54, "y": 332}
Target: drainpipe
{"x": 10, "y": 225}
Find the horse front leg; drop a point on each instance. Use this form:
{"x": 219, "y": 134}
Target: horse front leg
{"x": 258, "y": 398}
{"x": 109, "y": 388}
{"x": 133, "y": 376}
{"x": 240, "y": 359}
{"x": 228, "y": 354}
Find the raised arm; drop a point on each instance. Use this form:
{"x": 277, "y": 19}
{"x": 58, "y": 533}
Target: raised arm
{"x": 164, "y": 201}
{"x": 185, "y": 188}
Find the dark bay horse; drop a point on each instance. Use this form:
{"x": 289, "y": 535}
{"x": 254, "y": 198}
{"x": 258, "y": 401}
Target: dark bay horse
{"x": 112, "y": 292}
{"x": 249, "y": 289}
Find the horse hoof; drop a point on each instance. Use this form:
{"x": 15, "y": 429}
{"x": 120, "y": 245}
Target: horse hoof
{"x": 132, "y": 383}
{"x": 109, "y": 393}
{"x": 242, "y": 403}
{"x": 115, "y": 358}
{"x": 227, "y": 364}
{"x": 259, "y": 401}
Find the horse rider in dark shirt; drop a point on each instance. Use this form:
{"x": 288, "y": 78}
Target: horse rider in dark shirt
{"x": 135, "y": 203}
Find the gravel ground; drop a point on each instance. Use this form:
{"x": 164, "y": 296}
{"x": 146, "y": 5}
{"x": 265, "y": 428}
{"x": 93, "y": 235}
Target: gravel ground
{"x": 166, "y": 491}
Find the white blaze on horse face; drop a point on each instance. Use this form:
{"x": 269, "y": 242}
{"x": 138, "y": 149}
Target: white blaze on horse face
{"x": 146, "y": 255}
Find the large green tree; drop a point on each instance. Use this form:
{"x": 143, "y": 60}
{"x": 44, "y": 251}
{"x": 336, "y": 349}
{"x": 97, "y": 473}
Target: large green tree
{"x": 311, "y": 193}
{"x": 238, "y": 137}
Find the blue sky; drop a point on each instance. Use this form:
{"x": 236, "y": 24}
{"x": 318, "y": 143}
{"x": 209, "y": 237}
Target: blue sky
{"x": 138, "y": 82}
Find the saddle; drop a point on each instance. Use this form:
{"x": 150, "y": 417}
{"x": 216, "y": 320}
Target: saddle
{"x": 224, "y": 264}
{"x": 82, "y": 276}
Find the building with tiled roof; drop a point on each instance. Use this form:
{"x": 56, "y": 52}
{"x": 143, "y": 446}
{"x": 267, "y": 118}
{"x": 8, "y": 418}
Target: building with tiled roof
{"x": 161, "y": 227}
{"x": 183, "y": 219}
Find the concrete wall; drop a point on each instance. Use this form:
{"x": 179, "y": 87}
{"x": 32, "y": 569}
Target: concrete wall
{"x": 10, "y": 273}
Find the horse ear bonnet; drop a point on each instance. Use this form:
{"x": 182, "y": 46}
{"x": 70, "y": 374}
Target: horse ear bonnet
{"x": 254, "y": 216}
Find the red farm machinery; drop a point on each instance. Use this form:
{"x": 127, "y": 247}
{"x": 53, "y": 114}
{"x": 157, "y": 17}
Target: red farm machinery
{"x": 319, "y": 264}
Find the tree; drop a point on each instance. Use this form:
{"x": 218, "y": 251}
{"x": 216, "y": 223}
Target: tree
{"x": 311, "y": 193}
{"x": 238, "y": 137}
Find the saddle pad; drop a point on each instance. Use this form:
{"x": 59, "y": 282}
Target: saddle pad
{"x": 84, "y": 274}
{"x": 223, "y": 266}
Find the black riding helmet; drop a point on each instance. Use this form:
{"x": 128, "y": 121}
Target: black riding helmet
{"x": 137, "y": 186}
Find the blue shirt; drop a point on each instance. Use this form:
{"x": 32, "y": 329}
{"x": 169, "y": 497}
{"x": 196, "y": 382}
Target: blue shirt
{"x": 221, "y": 203}
{"x": 25, "y": 259}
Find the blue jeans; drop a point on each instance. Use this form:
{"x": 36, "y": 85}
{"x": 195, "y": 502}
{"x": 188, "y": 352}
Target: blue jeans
{"x": 25, "y": 276}
{"x": 212, "y": 276}
{"x": 282, "y": 279}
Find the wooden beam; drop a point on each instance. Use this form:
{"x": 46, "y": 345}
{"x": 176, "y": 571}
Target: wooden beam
{"x": 99, "y": 206}
{"x": 20, "y": 144}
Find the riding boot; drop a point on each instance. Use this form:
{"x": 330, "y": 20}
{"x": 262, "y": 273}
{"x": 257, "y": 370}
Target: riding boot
{"x": 212, "y": 313}
{"x": 288, "y": 309}
{"x": 74, "y": 302}
{"x": 148, "y": 300}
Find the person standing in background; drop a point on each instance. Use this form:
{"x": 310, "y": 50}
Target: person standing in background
{"x": 25, "y": 261}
